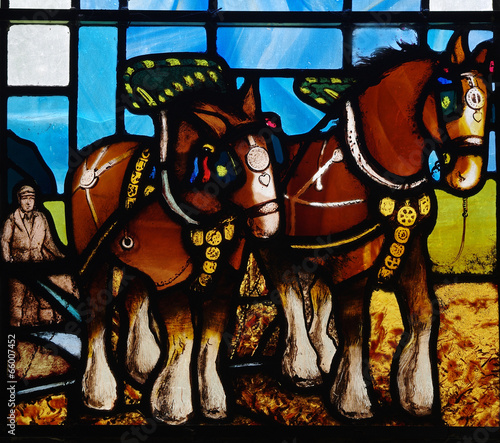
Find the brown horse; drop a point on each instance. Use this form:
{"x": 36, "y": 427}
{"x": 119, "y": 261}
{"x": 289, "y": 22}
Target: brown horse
{"x": 359, "y": 206}
{"x": 172, "y": 211}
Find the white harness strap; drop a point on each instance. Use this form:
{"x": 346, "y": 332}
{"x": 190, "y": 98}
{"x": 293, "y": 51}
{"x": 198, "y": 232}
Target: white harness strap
{"x": 169, "y": 198}
{"x": 336, "y": 157}
{"x": 165, "y": 184}
{"x": 362, "y": 162}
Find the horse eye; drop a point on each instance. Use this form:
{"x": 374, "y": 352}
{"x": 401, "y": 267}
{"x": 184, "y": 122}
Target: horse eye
{"x": 208, "y": 148}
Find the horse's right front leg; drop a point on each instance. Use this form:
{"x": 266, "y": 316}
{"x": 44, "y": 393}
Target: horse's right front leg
{"x": 99, "y": 384}
{"x": 171, "y": 396}
{"x": 321, "y": 303}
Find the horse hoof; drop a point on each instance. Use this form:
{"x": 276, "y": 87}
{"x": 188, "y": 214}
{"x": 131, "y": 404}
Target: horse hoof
{"x": 357, "y": 415}
{"x": 173, "y": 407}
{"x": 214, "y": 414}
{"x": 349, "y": 393}
{"x": 415, "y": 384}
{"x": 355, "y": 407}
{"x": 168, "y": 418}
{"x": 99, "y": 387}
{"x": 299, "y": 365}
{"x": 171, "y": 400}
{"x": 417, "y": 410}
{"x": 102, "y": 399}
{"x": 307, "y": 383}
{"x": 212, "y": 397}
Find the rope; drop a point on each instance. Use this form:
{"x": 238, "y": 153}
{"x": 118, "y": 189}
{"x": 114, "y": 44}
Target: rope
{"x": 465, "y": 214}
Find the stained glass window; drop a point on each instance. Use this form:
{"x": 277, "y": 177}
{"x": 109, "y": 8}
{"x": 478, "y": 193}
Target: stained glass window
{"x": 307, "y": 190}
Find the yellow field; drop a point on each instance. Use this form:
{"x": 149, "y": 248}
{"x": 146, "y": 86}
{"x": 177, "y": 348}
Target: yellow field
{"x": 479, "y": 253}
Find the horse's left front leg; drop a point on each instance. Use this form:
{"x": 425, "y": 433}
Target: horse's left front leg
{"x": 171, "y": 396}
{"x": 350, "y": 391}
{"x": 214, "y": 318}
{"x": 415, "y": 377}
{"x": 212, "y": 395}
{"x": 142, "y": 350}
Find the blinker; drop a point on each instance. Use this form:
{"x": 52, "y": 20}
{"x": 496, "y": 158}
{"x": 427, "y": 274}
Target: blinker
{"x": 444, "y": 81}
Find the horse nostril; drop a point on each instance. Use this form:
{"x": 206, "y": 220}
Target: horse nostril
{"x": 460, "y": 177}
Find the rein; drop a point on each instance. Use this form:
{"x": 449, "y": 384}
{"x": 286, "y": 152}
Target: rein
{"x": 465, "y": 214}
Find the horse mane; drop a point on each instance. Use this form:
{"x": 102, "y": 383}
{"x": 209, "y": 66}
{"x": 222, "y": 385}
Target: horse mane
{"x": 390, "y": 96}
{"x": 383, "y": 60}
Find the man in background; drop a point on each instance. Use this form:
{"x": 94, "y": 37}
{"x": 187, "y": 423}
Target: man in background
{"x": 26, "y": 237}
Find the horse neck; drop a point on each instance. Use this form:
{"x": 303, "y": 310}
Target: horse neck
{"x": 389, "y": 118}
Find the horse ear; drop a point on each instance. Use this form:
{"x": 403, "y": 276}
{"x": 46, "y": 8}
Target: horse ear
{"x": 483, "y": 54}
{"x": 249, "y": 104}
{"x": 458, "y": 47}
{"x": 217, "y": 125}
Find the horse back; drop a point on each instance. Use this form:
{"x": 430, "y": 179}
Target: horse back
{"x": 323, "y": 196}
{"x": 94, "y": 201}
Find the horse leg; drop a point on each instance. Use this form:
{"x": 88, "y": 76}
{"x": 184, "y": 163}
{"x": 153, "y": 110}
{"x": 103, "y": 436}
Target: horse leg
{"x": 415, "y": 376}
{"x": 321, "y": 301}
{"x": 300, "y": 361}
{"x": 171, "y": 398}
{"x": 212, "y": 395}
{"x": 349, "y": 393}
{"x": 99, "y": 386}
{"x": 143, "y": 351}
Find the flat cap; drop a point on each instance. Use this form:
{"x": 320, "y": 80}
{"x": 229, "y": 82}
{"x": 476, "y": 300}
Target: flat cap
{"x": 26, "y": 191}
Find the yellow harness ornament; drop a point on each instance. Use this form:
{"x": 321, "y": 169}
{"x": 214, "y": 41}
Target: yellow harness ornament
{"x": 211, "y": 246}
{"x": 405, "y": 215}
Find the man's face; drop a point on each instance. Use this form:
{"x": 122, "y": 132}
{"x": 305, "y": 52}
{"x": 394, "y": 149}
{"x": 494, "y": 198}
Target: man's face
{"x": 27, "y": 203}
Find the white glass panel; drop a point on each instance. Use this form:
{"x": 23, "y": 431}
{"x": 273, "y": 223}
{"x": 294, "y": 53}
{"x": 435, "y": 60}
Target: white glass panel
{"x": 38, "y": 55}
{"x": 40, "y": 4}
{"x": 461, "y": 5}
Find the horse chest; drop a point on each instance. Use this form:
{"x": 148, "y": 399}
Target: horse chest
{"x": 152, "y": 243}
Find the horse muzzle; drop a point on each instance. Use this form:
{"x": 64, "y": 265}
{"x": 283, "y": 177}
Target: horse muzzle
{"x": 465, "y": 174}
{"x": 263, "y": 218}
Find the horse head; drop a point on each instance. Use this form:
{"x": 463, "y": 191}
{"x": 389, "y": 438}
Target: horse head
{"x": 456, "y": 115}
{"x": 221, "y": 163}
{"x": 423, "y": 103}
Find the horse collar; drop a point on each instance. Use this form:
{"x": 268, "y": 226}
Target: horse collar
{"x": 363, "y": 163}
